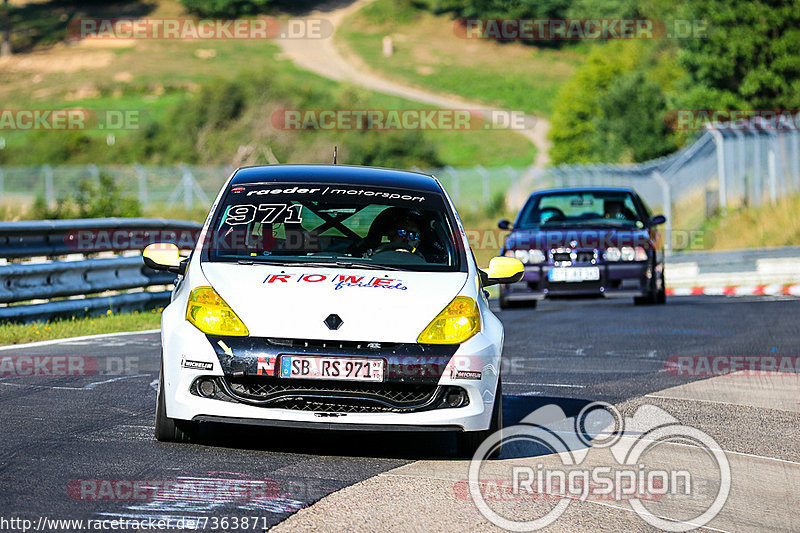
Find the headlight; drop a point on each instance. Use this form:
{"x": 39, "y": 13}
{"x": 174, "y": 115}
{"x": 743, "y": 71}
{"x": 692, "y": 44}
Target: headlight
{"x": 527, "y": 256}
{"x": 536, "y": 256}
{"x": 522, "y": 255}
{"x": 459, "y": 321}
{"x": 641, "y": 254}
{"x": 209, "y": 313}
{"x": 612, "y": 254}
{"x": 627, "y": 253}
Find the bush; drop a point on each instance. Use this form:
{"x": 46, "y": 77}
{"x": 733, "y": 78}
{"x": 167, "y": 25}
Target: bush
{"x": 225, "y": 8}
{"x": 94, "y": 199}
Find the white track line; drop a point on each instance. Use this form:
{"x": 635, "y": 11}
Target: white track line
{"x": 69, "y": 339}
{"x": 545, "y": 384}
{"x": 671, "y": 443}
{"x": 716, "y": 401}
{"x": 89, "y": 386}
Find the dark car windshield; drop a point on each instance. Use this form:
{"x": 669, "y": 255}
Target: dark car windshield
{"x": 581, "y": 208}
{"x": 334, "y": 224}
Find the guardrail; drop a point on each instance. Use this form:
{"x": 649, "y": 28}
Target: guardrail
{"x": 746, "y": 271}
{"x": 58, "y": 266}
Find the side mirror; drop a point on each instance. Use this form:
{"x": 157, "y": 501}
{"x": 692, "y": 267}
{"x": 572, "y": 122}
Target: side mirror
{"x": 658, "y": 219}
{"x": 164, "y": 256}
{"x": 504, "y": 224}
{"x": 502, "y": 270}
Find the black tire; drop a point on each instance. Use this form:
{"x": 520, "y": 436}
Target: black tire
{"x": 469, "y": 441}
{"x": 661, "y": 299}
{"x": 651, "y": 298}
{"x": 653, "y": 295}
{"x": 169, "y": 429}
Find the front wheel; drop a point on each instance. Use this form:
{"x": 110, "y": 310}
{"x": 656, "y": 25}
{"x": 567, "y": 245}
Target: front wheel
{"x": 469, "y": 441}
{"x": 170, "y": 429}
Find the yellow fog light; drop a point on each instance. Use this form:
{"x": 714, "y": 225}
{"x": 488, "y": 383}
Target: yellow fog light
{"x": 209, "y": 313}
{"x": 459, "y": 321}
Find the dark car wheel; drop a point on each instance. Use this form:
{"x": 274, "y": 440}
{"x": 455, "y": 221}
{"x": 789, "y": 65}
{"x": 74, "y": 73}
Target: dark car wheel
{"x": 469, "y": 441}
{"x": 655, "y": 296}
{"x": 662, "y": 292}
{"x": 169, "y": 429}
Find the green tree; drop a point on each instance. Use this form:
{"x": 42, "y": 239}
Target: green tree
{"x": 631, "y": 125}
{"x": 226, "y": 8}
{"x": 750, "y": 58}
{"x": 578, "y": 103}
{"x": 404, "y": 149}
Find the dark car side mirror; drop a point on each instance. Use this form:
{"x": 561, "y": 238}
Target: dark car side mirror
{"x": 504, "y": 224}
{"x": 658, "y": 219}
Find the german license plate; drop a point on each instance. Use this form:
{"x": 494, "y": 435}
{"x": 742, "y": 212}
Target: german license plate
{"x": 340, "y": 368}
{"x": 573, "y": 274}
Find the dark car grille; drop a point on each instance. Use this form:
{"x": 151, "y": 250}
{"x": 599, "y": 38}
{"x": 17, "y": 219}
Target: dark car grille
{"x": 334, "y": 396}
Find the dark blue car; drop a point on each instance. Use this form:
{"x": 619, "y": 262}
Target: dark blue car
{"x": 599, "y": 241}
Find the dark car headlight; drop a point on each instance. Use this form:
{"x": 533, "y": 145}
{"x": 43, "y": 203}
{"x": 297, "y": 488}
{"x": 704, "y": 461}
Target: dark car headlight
{"x": 626, "y": 253}
{"x": 527, "y": 257}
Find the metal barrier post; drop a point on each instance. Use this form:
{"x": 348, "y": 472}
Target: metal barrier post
{"x": 719, "y": 141}
{"x": 49, "y": 193}
{"x": 141, "y": 177}
{"x": 667, "y": 207}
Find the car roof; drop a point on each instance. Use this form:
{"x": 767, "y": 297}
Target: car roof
{"x": 341, "y": 174}
{"x": 584, "y": 189}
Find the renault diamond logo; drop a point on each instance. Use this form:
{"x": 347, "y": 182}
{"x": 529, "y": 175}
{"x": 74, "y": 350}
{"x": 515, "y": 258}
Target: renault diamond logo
{"x": 333, "y": 321}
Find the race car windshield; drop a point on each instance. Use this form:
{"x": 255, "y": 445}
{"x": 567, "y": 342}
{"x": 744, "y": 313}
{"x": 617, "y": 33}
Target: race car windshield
{"x": 581, "y": 208}
{"x": 336, "y": 225}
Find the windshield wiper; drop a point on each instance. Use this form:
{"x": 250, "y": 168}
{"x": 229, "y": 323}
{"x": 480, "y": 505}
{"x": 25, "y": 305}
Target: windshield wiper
{"x": 345, "y": 264}
{"x": 369, "y": 266}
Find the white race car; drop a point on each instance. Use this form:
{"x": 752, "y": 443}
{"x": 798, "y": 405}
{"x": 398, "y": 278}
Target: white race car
{"x": 331, "y": 296}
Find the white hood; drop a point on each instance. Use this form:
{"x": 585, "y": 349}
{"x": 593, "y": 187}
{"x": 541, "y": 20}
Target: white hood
{"x": 293, "y": 302}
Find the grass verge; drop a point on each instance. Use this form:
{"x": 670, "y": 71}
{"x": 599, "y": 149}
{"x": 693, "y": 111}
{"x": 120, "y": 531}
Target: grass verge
{"x": 60, "y": 329}
{"x": 756, "y": 227}
{"x": 427, "y": 53}
{"x": 150, "y": 77}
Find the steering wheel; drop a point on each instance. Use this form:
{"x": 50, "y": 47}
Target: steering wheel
{"x": 557, "y": 214}
{"x": 394, "y": 247}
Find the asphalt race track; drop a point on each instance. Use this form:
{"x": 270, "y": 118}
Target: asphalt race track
{"x": 63, "y": 437}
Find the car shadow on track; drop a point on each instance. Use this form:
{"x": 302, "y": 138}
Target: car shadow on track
{"x": 410, "y": 445}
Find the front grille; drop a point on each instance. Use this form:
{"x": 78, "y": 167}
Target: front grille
{"x": 327, "y": 344}
{"x": 335, "y": 396}
{"x": 573, "y": 256}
